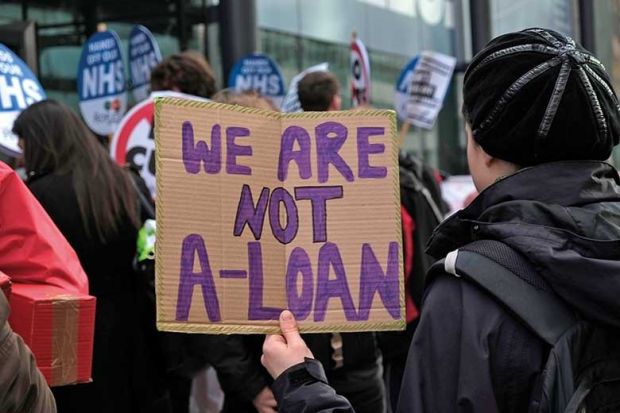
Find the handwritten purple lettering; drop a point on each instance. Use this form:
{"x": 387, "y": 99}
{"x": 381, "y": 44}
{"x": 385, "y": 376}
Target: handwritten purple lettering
{"x": 193, "y": 245}
{"x": 256, "y": 310}
{"x": 365, "y": 148}
{"x": 254, "y": 215}
{"x": 196, "y": 153}
{"x": 316, "y": 283}
{"x": 249, "y": 214}
{"x": 373, "y": 279}
{"x": 292, "y": 135}
{"x": 330, "y": 136}
{"x": 329, "y": 257}
{"x": 288, "y": 232}
{"x": 299, "y": 264}
{"x": 233, "y": 150}
{"x": 318, "y": 196}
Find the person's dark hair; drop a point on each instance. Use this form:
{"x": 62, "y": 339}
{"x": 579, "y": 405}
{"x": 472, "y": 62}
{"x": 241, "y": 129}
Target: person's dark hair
{"x": 316, "y": 90}
{"x": 185, "y": 72}
{"x": 537, "y": 96}
{"x": 57, "y": 141}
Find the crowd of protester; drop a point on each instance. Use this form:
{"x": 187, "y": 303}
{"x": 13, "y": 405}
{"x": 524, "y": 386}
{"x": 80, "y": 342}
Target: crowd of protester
{"x": 541, "y": 118}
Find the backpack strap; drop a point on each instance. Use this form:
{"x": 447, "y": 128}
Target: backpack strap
{"x": 541, "y": 310}
{"x": 417, "y": 185}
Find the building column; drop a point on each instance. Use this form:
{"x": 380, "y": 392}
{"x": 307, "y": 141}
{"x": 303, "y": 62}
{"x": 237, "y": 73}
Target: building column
{"x": 237, "y": 30}
{"x": 480, "y": 24}
{"x": 586, "y": 25}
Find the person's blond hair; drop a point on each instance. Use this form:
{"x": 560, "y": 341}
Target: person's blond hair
{"x": 250, "y": 99}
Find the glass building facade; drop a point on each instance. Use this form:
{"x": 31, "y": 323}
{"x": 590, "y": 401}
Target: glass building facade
{"x": 299, "y": 34}
{"x": 511, "y": 15}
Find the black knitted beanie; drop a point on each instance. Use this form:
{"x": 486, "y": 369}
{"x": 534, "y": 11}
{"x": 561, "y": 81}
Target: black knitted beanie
{"x": 537, "y": 96}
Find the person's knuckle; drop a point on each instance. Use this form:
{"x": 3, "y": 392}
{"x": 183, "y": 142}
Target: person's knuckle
{"x": 267, "y": 344}
{"x": 267, "y": 351}
{"x": 298, "y": 347}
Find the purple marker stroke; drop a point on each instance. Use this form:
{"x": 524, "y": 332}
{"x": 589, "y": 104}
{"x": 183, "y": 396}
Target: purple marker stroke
{"x": 365, "y": 148}
{"x": 233, "y": 150}
{"x": 195, "y": 153}
{"x": 291, "y": 135}
{"x": 318, "y": 196}
{"x": 194, "y": 245}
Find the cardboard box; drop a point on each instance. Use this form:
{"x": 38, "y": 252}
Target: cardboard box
{"x": 58, "y": 327}
{"x": 5, "y": 285}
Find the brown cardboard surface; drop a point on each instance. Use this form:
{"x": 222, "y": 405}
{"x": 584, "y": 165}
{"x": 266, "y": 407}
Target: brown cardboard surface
{"x": 197, "y": 211}
{"x": 59, "y": 329}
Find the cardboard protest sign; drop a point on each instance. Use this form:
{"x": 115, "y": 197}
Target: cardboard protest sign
{"x": 360, "y": 74}
{"x": 258, "y": 211}
{"x": 101, "y": 83}
{"x": 258, "y": 72}
{"x": 421, "y": 88}
{"x": 19, "y": 88}
{"x": 133, "y": 141}
{"x": 291, "y": 100}
{"x": 144, "y": 55}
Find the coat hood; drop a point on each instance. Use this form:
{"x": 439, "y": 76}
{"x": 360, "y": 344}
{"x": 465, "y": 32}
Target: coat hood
{"x": 565, "y": 218}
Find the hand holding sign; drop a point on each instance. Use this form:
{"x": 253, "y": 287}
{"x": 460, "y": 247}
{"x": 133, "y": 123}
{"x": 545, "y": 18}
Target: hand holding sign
{"x": 260, "y": 211}
{"x": 283, "y": 351}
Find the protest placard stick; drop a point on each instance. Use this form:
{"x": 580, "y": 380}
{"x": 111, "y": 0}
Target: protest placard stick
{"x": 404, "y": 130}
{"x": 353, "y": 100}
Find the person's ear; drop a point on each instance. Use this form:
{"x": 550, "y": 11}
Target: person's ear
{"x": 488, "y": 160}
{"x": 336, "y": 103}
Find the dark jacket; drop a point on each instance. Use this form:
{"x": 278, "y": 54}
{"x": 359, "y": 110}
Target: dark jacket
{"x": 420, "y": 196}
{"x": 123, "y": 371}
{"x": 359, "y": 350}
{"x": 22, "y": 386}
{"x": 303, "y": 388}
{"x": 359, "y": 378}
{"x": 468, "y": 353}
{"x": 236, "y": 359}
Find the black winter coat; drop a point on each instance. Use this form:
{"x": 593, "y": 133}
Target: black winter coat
{"x": 468, "y": 353}
{"x": 124, "y": 373}
{"x": 236, "y": 359}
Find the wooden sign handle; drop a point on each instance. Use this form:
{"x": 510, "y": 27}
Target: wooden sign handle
{"x": 404, "y": 130}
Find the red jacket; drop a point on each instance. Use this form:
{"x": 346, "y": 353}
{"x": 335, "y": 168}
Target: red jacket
{"x": 32, "y": 249}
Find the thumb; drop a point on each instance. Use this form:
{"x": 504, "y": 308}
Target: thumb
{"x": 288, "y": 326}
